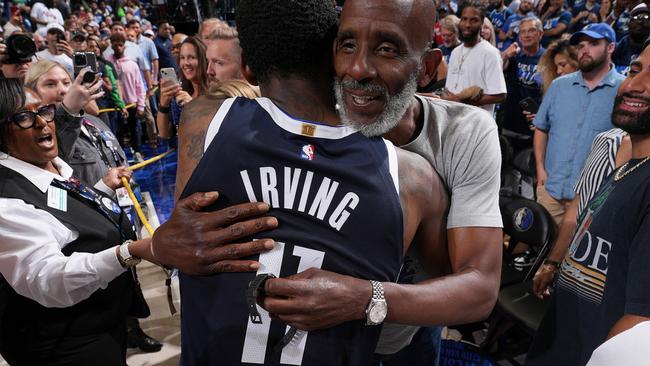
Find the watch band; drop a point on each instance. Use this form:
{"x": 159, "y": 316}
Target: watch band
{"x": 124, "y": 256}
{"x": 377, "y": 290}
{"x": 551, "y": 262}
{"x": 163, "y": 109}
{"x": 253, "y": 290}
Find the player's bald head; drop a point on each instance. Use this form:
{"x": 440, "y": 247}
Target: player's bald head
{"x": 416, "y": 17}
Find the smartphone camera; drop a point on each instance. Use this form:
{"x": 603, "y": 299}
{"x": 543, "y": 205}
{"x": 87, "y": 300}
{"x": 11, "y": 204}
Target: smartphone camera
{"x": 80, "y": 60}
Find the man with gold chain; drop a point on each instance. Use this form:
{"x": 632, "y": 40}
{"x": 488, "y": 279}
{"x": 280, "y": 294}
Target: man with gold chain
{"x": 475, "y": 73}
{"x": 602, "y": 286}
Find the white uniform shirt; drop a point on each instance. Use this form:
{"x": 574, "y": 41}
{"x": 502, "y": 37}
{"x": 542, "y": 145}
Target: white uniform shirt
{"x": 30, "y": 255}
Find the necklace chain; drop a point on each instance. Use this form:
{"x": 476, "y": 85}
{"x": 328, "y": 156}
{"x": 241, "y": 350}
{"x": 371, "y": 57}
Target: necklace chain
{"x": 462, "y": 60}
{"x": 618, "y": 176}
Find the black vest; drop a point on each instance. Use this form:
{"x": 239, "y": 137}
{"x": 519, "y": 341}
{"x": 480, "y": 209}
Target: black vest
{"x": 25, "y": 319}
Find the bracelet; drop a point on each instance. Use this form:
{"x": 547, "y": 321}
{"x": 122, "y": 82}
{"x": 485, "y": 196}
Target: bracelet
{"x": 163, "y": 109}
{"x": 551, "y": 262}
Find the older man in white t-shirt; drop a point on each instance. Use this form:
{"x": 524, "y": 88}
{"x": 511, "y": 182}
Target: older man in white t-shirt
{"x": 475, "y": 73}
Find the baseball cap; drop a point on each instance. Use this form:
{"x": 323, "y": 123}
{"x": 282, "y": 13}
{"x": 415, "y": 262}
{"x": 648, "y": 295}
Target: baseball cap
{"x": 641, "y": 8}
{"x": 52, "y": 27}
{"x": 80, "y": 36}
{"x": 149, "y": 32}
{"x": 595, "y": 31}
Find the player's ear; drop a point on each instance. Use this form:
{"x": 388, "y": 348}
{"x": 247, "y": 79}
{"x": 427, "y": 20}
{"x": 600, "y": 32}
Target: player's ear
{"x": 430, "y": 61}
{"x": 249, "y": 75}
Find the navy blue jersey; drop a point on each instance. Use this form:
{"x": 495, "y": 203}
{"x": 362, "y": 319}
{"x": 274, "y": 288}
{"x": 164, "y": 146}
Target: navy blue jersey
{"x": 335, "y": 194}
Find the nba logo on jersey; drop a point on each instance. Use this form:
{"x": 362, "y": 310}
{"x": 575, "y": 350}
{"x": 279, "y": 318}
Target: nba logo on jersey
{"x": 307, "y": 152}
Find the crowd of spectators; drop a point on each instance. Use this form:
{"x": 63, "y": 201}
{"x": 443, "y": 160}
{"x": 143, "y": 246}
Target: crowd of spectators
{"x": 547, "y": 71}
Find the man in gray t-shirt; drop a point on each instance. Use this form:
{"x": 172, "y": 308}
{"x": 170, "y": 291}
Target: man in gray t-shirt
{"x": 461, "y": 143}
{"x": 381, "y": 55}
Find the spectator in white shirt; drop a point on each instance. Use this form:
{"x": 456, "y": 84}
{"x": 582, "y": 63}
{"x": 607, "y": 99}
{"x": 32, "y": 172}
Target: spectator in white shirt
{"x": 58, "y": 49}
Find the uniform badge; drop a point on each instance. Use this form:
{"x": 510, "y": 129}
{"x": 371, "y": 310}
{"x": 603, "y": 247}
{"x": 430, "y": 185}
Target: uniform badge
{"x": 308, "y": 130}
{"x": 307, "y": 152}
{"x": 111, "y": 205}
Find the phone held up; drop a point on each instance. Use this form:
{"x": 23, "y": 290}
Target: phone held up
{"x": 80, "y": 61}
{"x": 168, "y": 73}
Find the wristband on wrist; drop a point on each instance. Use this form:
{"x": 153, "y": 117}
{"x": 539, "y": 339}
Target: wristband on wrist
{"x": 163, "y": 109}
{"x": 551, "y": 262}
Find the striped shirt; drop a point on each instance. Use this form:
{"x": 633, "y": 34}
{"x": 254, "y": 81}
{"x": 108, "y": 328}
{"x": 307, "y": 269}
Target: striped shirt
{"x": 600, "y": 163}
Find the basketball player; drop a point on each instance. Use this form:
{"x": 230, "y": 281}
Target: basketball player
{"x": 346, "y": 204}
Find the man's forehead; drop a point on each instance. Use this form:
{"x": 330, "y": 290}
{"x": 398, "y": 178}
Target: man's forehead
{"x": 396, "y": 9}
{"x": 405, "y": 15}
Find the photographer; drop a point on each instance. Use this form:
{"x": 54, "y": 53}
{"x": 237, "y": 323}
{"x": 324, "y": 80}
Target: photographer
{"x": 58, "y": 49}
{"x": 16, "y": 55}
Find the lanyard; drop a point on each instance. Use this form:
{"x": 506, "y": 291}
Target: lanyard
{"x": 97, "y": 138}
{"x": 106, "y": 206}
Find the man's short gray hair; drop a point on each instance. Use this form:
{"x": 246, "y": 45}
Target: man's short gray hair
{"x": 536, "y": 23}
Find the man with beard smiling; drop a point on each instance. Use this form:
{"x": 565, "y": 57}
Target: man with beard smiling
{"x": 382, "y": 54}
{"x": 602, "y": 287}
{"x": 574, "y": 110}
{"x": 475, "y": 64}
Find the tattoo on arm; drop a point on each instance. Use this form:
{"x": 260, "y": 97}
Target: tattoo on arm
{"x": 193, "y": 127}
{"x": 195, "y": 146}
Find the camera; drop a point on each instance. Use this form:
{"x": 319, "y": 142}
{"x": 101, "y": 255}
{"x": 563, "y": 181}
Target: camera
{"x": 20, "y": 49}
{"x": 80, "y": 61}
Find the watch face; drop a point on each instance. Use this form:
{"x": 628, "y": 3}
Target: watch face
{"x": 378, "y": 311}
{"x": 132, "y": 261}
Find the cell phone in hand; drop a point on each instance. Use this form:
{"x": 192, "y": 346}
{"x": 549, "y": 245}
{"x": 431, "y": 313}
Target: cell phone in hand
{"x": 529, "y": 105}
{"x": 80, "y": 61}
{"x": 168, "y": 73}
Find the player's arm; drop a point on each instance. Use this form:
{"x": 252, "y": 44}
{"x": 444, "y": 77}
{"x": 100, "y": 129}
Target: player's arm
{"x": 193, "y": 125}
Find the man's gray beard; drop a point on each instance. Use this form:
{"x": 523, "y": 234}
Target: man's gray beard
{"x": 393, "y": 112}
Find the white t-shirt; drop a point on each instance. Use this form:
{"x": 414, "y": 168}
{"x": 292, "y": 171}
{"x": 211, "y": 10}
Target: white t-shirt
{"x": 629, "y": 348}
{"x": 42, "y": 13}
{"x": 62, "y": 59}
{"x": 480, "y": 66}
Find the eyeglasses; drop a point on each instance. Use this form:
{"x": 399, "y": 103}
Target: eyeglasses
{"x": 27, "y": 119}
{"x": 641, "y": 17}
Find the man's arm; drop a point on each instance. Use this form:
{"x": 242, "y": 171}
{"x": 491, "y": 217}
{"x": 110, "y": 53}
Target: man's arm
{"x": 624, "y": 323}
{"x": 311, "y": 299}
{"x": 540, "y": 140}
{"x": 546, "y": 272}
{"x": 490, "y": 99}
{"x": 154, "y": 74}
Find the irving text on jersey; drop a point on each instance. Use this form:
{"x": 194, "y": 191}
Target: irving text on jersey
{"x": 294, "y": 178}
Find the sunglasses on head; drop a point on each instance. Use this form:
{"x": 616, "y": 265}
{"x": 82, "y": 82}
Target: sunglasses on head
{"x": 27, "y": 119}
